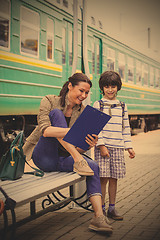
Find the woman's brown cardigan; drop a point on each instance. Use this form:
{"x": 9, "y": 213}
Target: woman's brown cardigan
{"x": 48, "y": 103}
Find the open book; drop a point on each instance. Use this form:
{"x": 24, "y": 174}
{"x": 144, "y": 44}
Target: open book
{"x": 91, "y": 121}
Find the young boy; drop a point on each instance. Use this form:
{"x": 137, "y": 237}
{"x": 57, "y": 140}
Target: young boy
{"x": 113, "y": 139}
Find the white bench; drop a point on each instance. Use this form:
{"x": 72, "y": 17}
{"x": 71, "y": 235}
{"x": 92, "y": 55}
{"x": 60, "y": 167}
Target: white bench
{"x": 29, "y": 188}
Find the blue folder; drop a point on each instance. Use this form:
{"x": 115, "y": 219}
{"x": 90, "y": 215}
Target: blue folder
{"x": 91, "y": 121}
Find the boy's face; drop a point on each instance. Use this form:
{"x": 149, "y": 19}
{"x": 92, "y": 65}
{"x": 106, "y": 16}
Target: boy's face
{"x": 110, "y": 92}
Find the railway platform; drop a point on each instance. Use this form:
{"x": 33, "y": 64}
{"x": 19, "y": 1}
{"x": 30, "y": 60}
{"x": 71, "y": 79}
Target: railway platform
{"x": 138, "y": 199}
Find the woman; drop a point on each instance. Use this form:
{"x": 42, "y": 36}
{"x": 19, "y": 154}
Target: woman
{"x": 50, "y": 153}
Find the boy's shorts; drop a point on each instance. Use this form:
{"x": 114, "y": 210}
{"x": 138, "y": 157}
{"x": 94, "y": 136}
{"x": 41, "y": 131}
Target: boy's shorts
{"x": 113, "y": 166}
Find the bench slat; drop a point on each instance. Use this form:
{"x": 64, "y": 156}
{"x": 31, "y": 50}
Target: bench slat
{"x": 34, "y": 182}
{"x": 31, "y": 180}
{"x": 30, "y": 188}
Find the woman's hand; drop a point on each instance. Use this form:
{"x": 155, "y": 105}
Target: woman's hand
{"x": 91, "y": 140}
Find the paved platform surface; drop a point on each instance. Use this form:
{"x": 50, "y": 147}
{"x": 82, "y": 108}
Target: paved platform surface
{"x": 138, "y": 199}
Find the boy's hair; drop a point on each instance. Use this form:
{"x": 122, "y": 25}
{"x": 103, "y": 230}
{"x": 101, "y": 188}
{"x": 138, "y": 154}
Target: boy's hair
{"x": 110, "y": 78}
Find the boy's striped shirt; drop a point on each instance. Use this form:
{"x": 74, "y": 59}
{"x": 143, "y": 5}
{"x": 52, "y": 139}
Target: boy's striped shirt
{"x": 114, "y": 134}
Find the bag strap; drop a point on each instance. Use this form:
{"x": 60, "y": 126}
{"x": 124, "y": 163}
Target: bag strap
{"x": 37, "y": 172}
{"x": 85, "y": 155}
{"x": 12, "y": 152}
{"x": 122, "y": 104}
{"x": 18, "y": 137}
{"x": 14, "y": 146}
{"x": 101, "y": 104}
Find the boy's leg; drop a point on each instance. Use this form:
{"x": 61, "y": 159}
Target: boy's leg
{"x": 112, "y": 190}
{"x": 104, "y": 181}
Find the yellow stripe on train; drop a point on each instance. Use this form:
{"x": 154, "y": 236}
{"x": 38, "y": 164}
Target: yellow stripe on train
{"x": 33, "y": 62}
{"x": 143, "y": 88}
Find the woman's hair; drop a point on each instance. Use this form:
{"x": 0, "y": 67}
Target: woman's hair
{"x": 75, "y": 79}
{"x": 110, "y": 78}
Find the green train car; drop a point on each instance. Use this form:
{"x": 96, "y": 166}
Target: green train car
{"x": 38, "y": 46}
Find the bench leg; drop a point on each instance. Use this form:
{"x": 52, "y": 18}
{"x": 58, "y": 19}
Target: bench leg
{"x": 33, "y": 208}
{"x": 57, "y": 200}
{"x": 4, "y": 230}
{"x": 12, "y": 227}
{"x": 85, "y": 204}
{"x": 71, "y": 191}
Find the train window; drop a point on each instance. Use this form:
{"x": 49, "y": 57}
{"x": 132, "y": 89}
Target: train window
{"x": 151, "y": 77}
{"x": 145, "y": 74}
{"x": 29, "y": 31}
{"x": 4, "y": 24}
{"x": 104, "y": 55}
{"x": 100, "y": 25}
{"x": 93, "y": 58}
{"x": 121, "y": 63}
{"x": 130, "y": 69}
{"x": 50, "y": 39}
{"x": 70, "y": 47}
{"x": 110, "y": 59}
{"x": 93, "y": 21}
{"x": 65, "y": 3}
{"x": 157, "y": 78}
{"x": 138, "y": 72}
{"x": 63, "y": 46}
{"x": 98, "y": 59}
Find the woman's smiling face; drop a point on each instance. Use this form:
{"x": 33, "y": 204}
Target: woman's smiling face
{"x": 78, "y": 93}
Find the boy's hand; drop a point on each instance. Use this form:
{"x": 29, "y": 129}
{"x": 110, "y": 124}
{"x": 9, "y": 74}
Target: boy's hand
{"x": 131, "y": 152}
{"x": 104, "y": 151}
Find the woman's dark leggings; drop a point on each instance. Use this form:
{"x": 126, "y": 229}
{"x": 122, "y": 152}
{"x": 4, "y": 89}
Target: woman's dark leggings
{"x": 45, "y": 156}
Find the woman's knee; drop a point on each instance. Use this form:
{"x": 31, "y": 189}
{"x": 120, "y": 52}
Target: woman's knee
{"x": 93, "y": 165}
{"x": 57, "y": 118}
{"x": 56, "y": 113}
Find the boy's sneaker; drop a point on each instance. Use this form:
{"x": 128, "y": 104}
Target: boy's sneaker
{"x": 114, "y": 215}
{"x": 82, "y": 168}
{"x": 99, "y": 224}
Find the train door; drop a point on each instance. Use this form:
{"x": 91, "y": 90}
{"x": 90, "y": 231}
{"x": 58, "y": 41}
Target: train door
{"x": 96, "y": 68}
{"x": 67, "y": 50}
